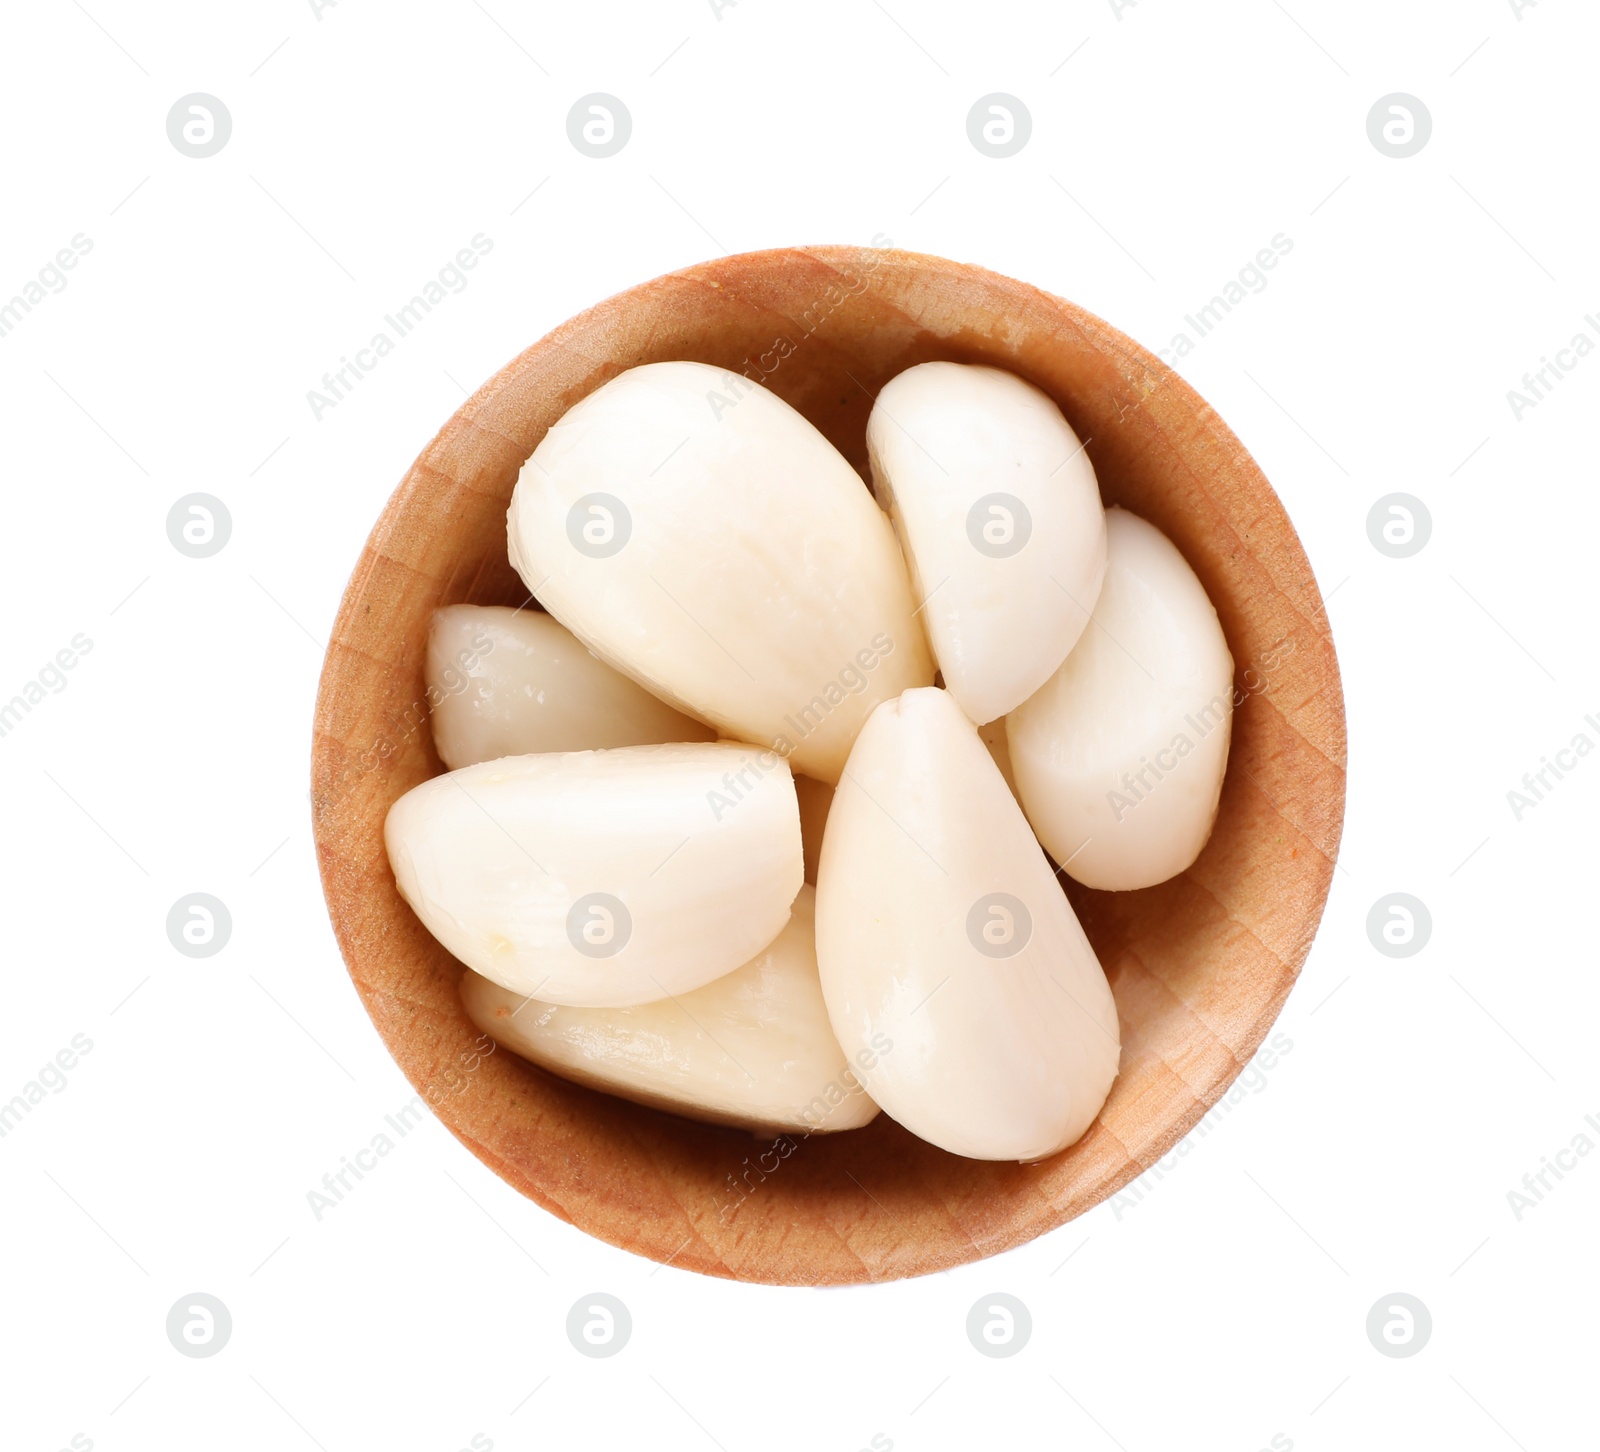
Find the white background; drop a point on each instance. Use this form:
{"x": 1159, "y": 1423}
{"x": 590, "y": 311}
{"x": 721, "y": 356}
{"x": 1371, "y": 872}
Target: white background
{"x": 371, "y": 143}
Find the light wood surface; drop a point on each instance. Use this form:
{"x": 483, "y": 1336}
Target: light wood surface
{"x": 1200, "y": 965}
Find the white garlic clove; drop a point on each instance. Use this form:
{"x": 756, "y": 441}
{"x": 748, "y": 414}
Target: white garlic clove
{"x": 947, "y": 947}
{"x": 753, "y": 1048}
{"x": 1119, "y": 757}
{"x": 996, "y": 506}
{"x": 603, "y": 878}
{"x": 506, "y": 682}
{"x": 700, "y": 535}
{"x": 815, "y": 799}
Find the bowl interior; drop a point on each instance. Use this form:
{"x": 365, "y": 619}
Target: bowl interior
{"x": 1199, "y": 965}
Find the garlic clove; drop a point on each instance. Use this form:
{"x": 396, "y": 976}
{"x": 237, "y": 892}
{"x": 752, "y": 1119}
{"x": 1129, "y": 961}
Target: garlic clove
{"x": 997, "y": 509}
{"x": 948, "y": 950}
{"x": 752, "y": 1048}
{"x": 506, "y": 682}
{"x": 700, "y": 535}
{"x": 603, "y": 878}
{"x": 1119, "y": 757}
{"x": 815, "y": 799}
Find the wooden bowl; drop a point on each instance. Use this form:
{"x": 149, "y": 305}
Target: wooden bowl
{"x": 1200, "y": 965}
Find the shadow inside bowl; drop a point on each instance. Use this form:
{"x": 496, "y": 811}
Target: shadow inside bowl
{"x": 1200, "y": 965}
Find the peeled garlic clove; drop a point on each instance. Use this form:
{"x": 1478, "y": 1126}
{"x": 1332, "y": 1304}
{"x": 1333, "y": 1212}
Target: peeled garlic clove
{"x": 996, "y": 505}
{"x": 753, "y": 1048}
{"x": 815, "y": 799}
{"x": 603, "y": 878}
{"x": 1119, "y": 757}
{"x": 948, "y": 949}
{"x": 506, "y": 682}
{"x": 700, "y": 535}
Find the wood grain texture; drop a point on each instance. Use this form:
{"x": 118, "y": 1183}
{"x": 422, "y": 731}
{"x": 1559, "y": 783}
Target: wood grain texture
{"x": 1200, "y": 965}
